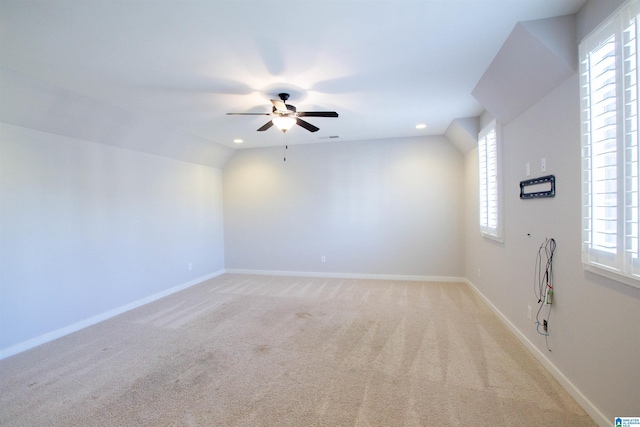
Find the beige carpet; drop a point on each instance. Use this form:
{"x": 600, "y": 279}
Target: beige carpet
{"x": 255, "y": 350}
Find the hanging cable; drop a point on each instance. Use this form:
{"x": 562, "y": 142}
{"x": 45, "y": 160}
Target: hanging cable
{"x": 543, "y": 286}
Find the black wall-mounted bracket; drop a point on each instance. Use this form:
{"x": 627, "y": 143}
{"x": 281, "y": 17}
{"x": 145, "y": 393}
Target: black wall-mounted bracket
{"x": 545, "y": 186}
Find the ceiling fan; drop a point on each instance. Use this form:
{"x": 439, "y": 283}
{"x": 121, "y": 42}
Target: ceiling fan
{"x": 287, "y": 115}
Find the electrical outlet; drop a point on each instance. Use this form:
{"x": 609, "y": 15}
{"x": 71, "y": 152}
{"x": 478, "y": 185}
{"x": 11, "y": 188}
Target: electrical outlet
{"x": 323, "y": 258}
{"x": 479, "y": 273}
{"x": 190, "y": 266}
{"x": 528, "y": 169}
{"x": 529, "y": 312}
{"x": 544, "y": 325}
{"x": 543, "y": 164}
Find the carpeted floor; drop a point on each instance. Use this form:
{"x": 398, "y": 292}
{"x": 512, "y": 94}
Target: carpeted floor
{"x": 243, "y": 350}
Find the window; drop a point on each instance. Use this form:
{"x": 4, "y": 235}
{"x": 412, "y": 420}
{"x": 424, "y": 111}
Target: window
{"x": 609, "y": 115}
{"x": 490, "y": 188}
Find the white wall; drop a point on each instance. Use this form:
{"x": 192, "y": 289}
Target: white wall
{"x": 86, "y": 228}
{"x": 387, "y": 207}
{"x": 594, "y": 324}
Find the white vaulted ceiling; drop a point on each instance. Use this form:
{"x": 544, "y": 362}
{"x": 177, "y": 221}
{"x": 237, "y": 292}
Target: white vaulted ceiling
{"x": 384, "y": 66}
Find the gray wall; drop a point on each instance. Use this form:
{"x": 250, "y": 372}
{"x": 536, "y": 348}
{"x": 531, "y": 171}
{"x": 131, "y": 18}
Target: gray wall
{"x": 86, "y": 228}
{"x": 592, "y": 14}
{"x": 387, "y": 207}
{"x": 38, "y": 105}
{"x": 594, "y": 324}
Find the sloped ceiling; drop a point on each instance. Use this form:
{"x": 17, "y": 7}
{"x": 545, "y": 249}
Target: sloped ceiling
{"x": 537, "y": 57}
{"x": 383, "y": 65}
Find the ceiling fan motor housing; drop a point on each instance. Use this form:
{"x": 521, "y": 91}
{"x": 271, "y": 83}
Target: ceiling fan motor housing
{"x": 291, "y": 108}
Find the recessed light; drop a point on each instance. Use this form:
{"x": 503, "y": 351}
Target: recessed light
{"x": 421, "y": 126}
{"x": 238, "y": 141}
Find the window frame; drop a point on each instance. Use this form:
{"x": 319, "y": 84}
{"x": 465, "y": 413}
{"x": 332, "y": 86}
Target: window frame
{"x": 619, "y": 261}
{"x": 487, "y": 229}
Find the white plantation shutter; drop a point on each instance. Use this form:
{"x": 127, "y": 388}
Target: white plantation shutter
{"x": 489, "y": 170}
{"x": 609, "y": 103}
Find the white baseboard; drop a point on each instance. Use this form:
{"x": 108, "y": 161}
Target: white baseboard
{"x": 50, "y": 336}
{"x": 348, "y": 275}
{"x": 582, "y": 400}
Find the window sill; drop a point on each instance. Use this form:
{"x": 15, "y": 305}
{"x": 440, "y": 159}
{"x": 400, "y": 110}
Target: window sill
{"x": 493, "y": 237}
{"x": 633, "y": 281}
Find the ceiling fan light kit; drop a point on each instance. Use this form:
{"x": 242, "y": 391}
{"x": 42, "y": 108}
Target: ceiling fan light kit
{"x": 284, "y": 123}
{"x": 287, "y": 115}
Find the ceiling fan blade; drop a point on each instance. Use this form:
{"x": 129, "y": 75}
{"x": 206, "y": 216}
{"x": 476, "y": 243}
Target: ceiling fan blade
{"x": 248, "y": 114}
{"x": 308, "y": 126}
{"x": 280, "y": 105}
{"x": 265, "y": 126}
{"x": 317, "y": 114}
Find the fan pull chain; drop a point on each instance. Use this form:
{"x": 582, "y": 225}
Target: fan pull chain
{"x": 285, "y": 147}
